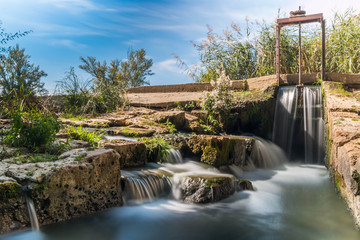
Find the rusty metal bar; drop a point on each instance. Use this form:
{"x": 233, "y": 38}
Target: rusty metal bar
{"x": 323, "y": 73}
{"x": 299, "y": 53}
{"x": 277, "y": 64}
{"x": 300, "y": 19}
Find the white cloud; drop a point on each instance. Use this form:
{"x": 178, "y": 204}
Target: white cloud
{"x": 67, "y": 43}
{"x": 168, "y": 65}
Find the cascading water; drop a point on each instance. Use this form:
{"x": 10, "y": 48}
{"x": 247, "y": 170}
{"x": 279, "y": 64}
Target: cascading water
{"x": 298, "y": 124}
{"x": 144, "y": 186}
{"x": 314, "y": 125}
{"x": 173, "y": 156}
{"x": 31, "y": 209}
{"x": 266, "y": 154}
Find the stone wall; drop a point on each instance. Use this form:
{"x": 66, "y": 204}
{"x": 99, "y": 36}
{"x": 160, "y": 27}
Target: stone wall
{"x": 343, "y": 126}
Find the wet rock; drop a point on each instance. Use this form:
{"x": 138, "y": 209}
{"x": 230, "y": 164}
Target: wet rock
{"x": 206, "y": 188}
{"x": 242, "y": 185}
{"x": 132, "y": 154}
{"x": 218, "y": 151}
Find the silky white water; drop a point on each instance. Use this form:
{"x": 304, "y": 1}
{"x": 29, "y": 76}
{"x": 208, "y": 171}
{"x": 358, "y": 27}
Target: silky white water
{"x": 290, "y": 202}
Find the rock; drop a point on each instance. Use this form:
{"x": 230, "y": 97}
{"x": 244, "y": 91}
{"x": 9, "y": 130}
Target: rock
{"x": 218, "y": 151}
{"x": 242, "y": 185}
{"x": 79, "y": 144}
{"x": 13, "y": 210}
{"x": 132, "y": 154}
{"x": 175, "y": 117}
{"x": 206, "y": 188}
{"x": 79, "y": 183}
{"x": 131, "y": 131}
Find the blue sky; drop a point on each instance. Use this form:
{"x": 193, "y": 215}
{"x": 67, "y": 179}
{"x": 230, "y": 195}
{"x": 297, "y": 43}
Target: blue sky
{"x": 64, "y": 30}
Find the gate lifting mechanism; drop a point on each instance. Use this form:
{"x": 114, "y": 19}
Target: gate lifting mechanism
{"x": 297, "y": 18}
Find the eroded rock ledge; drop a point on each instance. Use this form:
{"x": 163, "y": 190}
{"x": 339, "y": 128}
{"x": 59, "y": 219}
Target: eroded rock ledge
{"x": 343, "y": 123}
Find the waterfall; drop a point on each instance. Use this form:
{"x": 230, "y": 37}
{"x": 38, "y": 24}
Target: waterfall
{"x": 298, "y": 124}
{"x": 31, "y": 209}
{"x": 144, "y": 186}
{"x": 266, "y": 154}
{"x": 285, "y": 116}
{"x": 314, "y": 126}
{"x": 173, "y": 156}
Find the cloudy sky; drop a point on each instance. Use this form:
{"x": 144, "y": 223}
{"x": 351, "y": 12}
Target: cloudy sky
{"x": 64, "y": 30}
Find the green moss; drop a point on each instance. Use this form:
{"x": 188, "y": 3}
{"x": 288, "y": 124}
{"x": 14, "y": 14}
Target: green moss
{"x": 355, "y": 119}
{"x": 9, "y": 190}
{"x": 129, "y": 132}
{"x": 338, "y": 180}
{"x": 209, "y": 155}
{"x": 338, "y": 88}
{"x": 356, "y": 176}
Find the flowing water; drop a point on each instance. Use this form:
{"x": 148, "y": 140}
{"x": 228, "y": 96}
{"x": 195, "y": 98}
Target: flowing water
{"x": 298, "y": 125}
{"x": 292, "y": 202}
{"x": 31, "y": 210}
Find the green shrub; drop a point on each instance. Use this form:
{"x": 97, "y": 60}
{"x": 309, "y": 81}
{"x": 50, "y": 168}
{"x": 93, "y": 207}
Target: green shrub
{"x": 33, "y": 129}
{"x": 170, "y": 126}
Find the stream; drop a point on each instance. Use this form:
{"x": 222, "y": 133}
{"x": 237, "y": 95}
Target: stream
{"x": 290, "y": 202}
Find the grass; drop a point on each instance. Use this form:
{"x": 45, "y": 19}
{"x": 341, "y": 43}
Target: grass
{"x": 80, "y": 133}
{"x": 252, "y": 95}
{"x": 170, "y": 126}
{"x": 35, "y": 158}
{"x": 73, "y": 117}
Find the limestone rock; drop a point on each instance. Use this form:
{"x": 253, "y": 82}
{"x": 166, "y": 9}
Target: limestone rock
{"x": 218, "y": 151}
{"x": 131, "y": 131}
{"x": 206, "y": 188}
{"x": 132, "y": 154}
{"x": 175, "y": 117}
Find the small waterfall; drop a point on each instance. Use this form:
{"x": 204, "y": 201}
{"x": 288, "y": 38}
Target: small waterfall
{"x": 31, "y": 209}
{"x": 298, "y": 124}
{"x": 285, "y": 116}
{"x": 173, "y": 156}
{"x": 266, "y": 154}
{"x": 144, "y": 186}
{"x": 314, "y": 126}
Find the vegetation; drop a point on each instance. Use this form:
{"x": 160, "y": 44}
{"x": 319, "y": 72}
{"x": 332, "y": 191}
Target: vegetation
{"x": 80, "y": 133}
{"x": 170, "y": 126}
{"x": 218, "y": 103}
{"x": 156, "y": 148}
{"x": 18, "y": 77}
{"x": 32, "y": 129}
{"x": 250, "y": 53}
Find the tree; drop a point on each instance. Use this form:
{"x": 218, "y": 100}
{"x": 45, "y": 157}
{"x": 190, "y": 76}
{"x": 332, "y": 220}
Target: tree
{"x": 18, "y": 76}
{"x": 136, "y": 68}
{"x": 6, "y": 37}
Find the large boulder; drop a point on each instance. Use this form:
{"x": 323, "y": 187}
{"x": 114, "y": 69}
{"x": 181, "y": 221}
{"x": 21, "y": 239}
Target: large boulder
{"x": 220, "y": 151}
{"x": 79, "y": 183}
{"x": 200, "y": 188}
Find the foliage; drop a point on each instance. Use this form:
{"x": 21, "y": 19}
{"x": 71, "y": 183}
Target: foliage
{"x": 133, "y": 72}
{"x": 77, "y": 93}
{"x": 253, "y": 54}
{"x": 7, "y": 37}
{"x": 18, "y": 77}
{"x": 170, "y": 126}
{"x": 36, "y": 158}
{"x": 32, "y": 129}
{"x": 156, "y": 148}
{"x": 218, "y": 103}
{"x": 80, "y": 133}
{"x": 229, "y": 52}
{"x": 187, "y": 107}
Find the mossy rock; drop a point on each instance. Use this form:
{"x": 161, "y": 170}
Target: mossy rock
{"x": 9, "y": 190}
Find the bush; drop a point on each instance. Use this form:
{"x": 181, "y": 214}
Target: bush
{"x": 218, "y": 103}
{"x": 32, "y": 129}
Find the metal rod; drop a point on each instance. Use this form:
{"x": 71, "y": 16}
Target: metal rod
{"x": 323, "y": 76}
{"x": 277, "y": 64}
{"x": 299, "y": 53}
